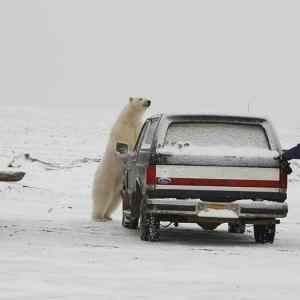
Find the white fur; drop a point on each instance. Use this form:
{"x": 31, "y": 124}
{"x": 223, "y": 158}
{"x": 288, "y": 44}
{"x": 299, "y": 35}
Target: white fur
{"x": 108, "y": 178}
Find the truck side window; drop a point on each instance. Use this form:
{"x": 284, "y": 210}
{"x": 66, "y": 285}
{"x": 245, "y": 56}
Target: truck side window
{"x": 148, "y": 137}
{"x": 141, "y": 136}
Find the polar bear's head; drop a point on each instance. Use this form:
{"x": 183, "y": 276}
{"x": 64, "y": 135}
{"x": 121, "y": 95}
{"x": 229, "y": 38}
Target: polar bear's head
{"x": 139, "y": 104}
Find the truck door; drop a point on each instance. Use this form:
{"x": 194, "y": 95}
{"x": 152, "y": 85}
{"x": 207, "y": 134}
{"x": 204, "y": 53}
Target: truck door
{"x": 145, "y": 150}
{"x": 131, "y": 170}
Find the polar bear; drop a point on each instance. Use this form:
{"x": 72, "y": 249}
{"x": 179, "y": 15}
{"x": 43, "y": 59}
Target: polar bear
{"x": 108, "y": 177}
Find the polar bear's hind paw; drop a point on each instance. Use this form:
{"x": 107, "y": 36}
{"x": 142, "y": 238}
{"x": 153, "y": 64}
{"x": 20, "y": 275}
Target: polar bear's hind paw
{"x": 105, "y": 219}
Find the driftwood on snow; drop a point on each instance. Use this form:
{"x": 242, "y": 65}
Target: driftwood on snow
{"x": 11, "y": 176}
{"x": 50, "y": 165}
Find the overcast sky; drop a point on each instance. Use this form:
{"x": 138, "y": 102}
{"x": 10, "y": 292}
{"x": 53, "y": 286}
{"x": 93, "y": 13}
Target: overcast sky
{"x": 191, "y": 56}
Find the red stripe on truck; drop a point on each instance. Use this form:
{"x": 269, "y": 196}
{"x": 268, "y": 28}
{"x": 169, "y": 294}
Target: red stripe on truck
{"x": 224, "y": 182}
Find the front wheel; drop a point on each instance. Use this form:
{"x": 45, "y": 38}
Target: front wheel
{"x": 264, "y": 233}
{"x": 129, "y": 222}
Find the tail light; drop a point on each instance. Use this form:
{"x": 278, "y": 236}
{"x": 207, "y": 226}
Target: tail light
{"x": 283, "y": 180}
{"x": 151, "y": 175}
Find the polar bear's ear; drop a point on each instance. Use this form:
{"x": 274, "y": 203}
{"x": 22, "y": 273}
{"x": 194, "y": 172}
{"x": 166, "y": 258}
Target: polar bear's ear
{"x": 130, "y": 99}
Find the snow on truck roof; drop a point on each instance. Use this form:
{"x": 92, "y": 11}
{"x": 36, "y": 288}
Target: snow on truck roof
{"x": 220, "y": 118}
{"x": 241, "y": 118}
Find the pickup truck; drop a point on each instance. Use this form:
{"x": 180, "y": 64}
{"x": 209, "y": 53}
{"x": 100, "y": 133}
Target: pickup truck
{"x": 204, "y": 169}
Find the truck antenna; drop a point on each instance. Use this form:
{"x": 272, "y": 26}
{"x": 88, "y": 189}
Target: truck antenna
{"x": 250, "y": 101}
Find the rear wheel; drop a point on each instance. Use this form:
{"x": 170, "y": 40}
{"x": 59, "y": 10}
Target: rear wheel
{"x": 236, "y": 228}
{"x": 154, "y": 228}
{"x": 149, "y": 225}
{"x": 149, "y": 228}
{"x": 144, "y": 228}
{"x": 264, "y": 233}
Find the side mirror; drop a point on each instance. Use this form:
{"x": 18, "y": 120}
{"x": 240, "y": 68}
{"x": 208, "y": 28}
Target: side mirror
{"x": 122, "y": 148}
{"x": 122, "y": 152}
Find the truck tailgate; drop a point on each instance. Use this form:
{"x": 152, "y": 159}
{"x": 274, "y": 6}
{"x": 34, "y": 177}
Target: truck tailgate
{"x": 215, "y": 183}
{"x": 218, "y": 178}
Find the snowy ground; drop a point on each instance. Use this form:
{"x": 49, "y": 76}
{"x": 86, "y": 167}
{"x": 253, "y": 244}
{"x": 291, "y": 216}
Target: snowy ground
{"x": 51, "y": 250}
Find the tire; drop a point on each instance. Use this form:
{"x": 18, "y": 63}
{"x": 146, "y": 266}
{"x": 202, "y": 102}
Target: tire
{"x": 129, "y": 222}
{"x": 264, "y": 233}
{"x": 144, "y": 222}
{"x": 236, "y": 228}
{"x": 154, "y": 226}
{"x": 130, "y": 218}
{"x": 208, "y": 226}
{"x": 149, "y": 228}
{"x": 149, "y": 224}
{"x": 144, "y": 228}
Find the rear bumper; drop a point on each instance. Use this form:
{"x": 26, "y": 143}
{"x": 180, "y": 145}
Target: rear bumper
{"x": 244, "y": 209}
{"x": 217, "y": 196}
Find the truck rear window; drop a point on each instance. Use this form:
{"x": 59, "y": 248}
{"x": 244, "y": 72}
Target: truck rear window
{"x": 217, "y": 134}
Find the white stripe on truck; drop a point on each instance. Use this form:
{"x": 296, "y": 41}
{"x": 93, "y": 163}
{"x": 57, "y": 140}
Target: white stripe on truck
{"x": 212, "y": 172}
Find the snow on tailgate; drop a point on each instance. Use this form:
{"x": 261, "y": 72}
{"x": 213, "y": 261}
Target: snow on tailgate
{"x": 221, "y": 151}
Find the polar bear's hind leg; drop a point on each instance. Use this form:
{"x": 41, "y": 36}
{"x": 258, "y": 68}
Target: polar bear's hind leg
{"x": 101, "y": 202}
{"x": 114, "y": 203}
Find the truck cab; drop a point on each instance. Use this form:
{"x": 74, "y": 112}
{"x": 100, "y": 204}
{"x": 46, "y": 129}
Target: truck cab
{"x": 205, "y": 169}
